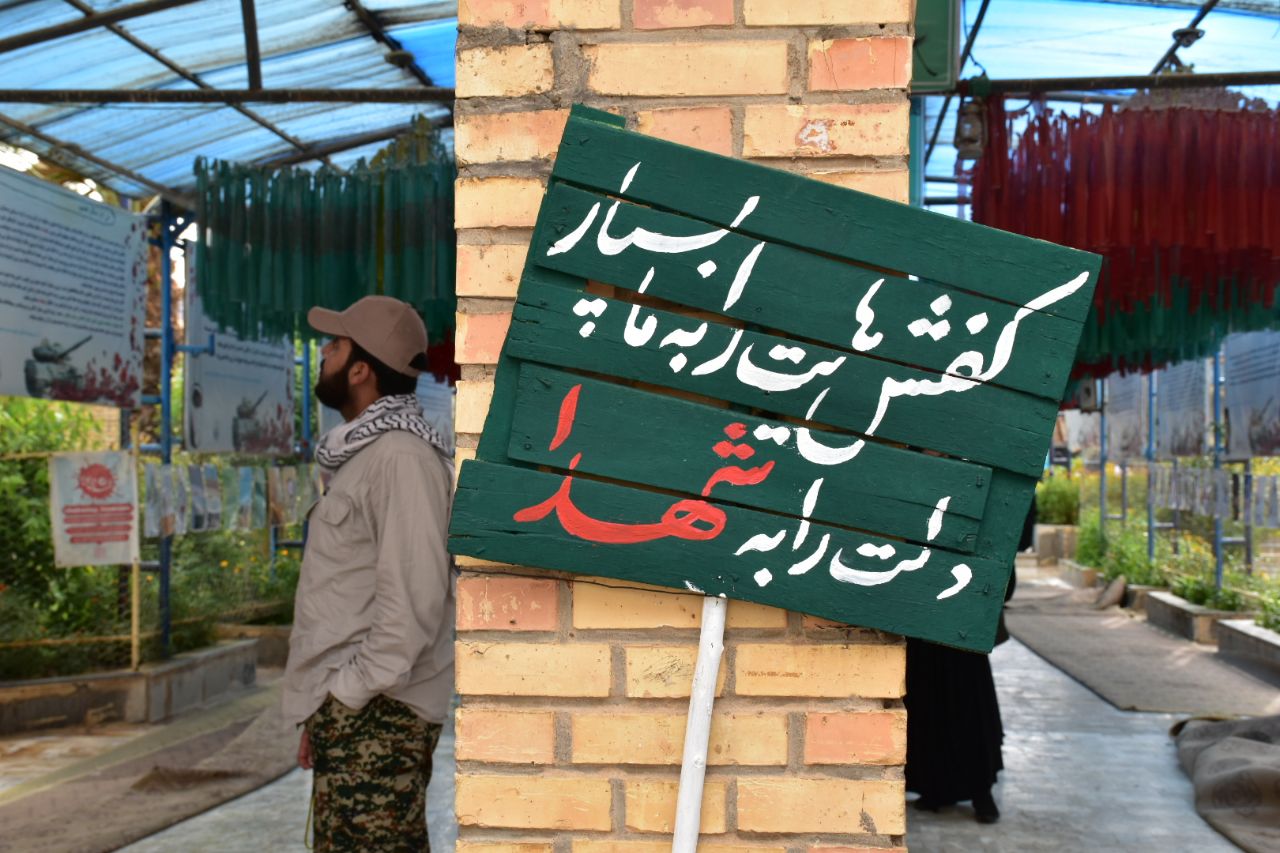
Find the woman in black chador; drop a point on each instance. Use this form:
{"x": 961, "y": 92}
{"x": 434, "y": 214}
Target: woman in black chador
{"x": 953, "y": 721}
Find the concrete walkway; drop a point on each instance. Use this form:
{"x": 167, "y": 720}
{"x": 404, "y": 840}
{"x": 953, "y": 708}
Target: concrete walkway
{"x": 274, "y": 817}
{"x": 1080, "y": 775}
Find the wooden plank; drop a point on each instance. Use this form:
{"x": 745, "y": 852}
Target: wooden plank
{"x": 641, "y": 437}
{"x": 820, "y": 217}
{"x": 983, "y": 423}
{"x": 906, "y": 601}
{"x": 802, "y": 293}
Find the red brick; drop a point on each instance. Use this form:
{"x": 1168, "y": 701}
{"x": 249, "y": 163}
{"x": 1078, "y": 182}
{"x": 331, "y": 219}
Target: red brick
{"x": 666, "y": 14}
{"x": 507, "y": 604}
{"x": 708, "y": 128}
{"x": 873, "y": 737}
{"x": 478, "y": 337}
{"x": 844, "y": 65}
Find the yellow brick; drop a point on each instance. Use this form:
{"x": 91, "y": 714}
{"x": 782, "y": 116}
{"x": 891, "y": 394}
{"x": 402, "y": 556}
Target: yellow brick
{"x": 689, "y": 68}
{"x": 491, "y": 271}
{"x": 895, "y": 186}
{"x": 460, "y": 455}
{"x": 534, "y": 802}
{"x": 504, "y": 72}
{"x": 507, "y": 737}
{"x": 828, "y": 805}
{"x": 496, "y": 202}
{"x": 757, "y": 739}
{"x": 664, "y": 672}
{"x": 471, "y": 405}
{"x": 651, "y": 805}
{"x": 791, "y": 13}
{"x": 586, "y": 846}
{"x": 598, "y": 607}
{"x": 825, "y": 130}
{"x": 463, "y": 846}
{"x": 541, "y": 14}
{"x": 508, "y": 137}
{"x": 872, "y": 671}
{"x": 532, "y": 669}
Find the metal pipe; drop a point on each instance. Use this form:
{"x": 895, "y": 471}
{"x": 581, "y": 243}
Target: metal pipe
{"x": 964, "y": 58}
{"x": 424, "y": 95}
{"x": 1151, "y": 463}
{"x": 1039, "y": 85}
{"x": 99, "y": 19}
{"x": 307, "y": 449}
{"x": 167, "y": 350}
{"x": 1173, "y": 49}
{"x": 167, "y": 193}
{"x": 1217, "y": 466}
{"x": 1103, "y": 514}
{"x": 320, "y": 150}
{"x": 375, "y": 28}
{"x": 1248, "y": 516}
{"x": 186, "y": 74}
{"x": 252, "y": 58}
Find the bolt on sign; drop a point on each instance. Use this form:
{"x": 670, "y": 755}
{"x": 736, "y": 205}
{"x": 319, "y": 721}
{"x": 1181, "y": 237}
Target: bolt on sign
{"x": 733, "y": 380}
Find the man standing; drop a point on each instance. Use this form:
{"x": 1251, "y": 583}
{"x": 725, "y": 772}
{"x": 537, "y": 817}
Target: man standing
{"x": 370, "y": 669}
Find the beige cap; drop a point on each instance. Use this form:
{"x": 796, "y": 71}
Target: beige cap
{"x": 386, "y": 328}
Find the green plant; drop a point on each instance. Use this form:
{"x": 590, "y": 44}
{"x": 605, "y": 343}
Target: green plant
{"x": 1126, "y": 554}
{"x": 1269, "y": 614}
{"x": 1091, "y": 547}
{"x": 1057, "y": 499}
{"x": 1199, "y": 589}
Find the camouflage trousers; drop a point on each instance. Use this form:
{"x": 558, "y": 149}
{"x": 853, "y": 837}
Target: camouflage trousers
{"x": 371, "y": 772}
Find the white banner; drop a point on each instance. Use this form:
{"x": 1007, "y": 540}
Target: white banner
{"x": 1252, "y": 405}
{"x": 1182, "y": 403}
{"x": 240, "y": 399}
{"x": 1126, "y": 407}
{"x": 73, "y": 276}
{"x": 93, "y": 501}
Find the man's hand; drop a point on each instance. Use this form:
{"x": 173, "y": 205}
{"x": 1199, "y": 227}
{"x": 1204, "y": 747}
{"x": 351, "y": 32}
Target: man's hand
{"x": 304, "y": 751}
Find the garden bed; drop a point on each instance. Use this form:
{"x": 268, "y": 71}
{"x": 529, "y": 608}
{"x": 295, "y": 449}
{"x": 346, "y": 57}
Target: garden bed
{"x": 1135, "y": 595}
{"x": 1054, "y": 542}
{"x": 155, "y": 693}
{"x": 1246, "y": 641}
{"x": 273, "y": 640}
{"x": 1081, "y": 577}
{"x": 1192, "y": 621}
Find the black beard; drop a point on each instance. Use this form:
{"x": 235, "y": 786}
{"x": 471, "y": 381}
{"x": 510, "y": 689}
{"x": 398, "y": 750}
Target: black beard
{"x": 334, "y": 391}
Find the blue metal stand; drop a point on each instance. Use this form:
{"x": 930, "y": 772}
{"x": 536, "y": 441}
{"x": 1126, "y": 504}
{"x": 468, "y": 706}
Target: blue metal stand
{"x": 1151, "y": 467}
{"x": 1217, "y": 466}
{"x": 167, "y": 351}
{"x": 1102, "y": 457}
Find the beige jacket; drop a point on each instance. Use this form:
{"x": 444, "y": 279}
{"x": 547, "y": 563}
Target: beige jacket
{"x": 374, "y": 608}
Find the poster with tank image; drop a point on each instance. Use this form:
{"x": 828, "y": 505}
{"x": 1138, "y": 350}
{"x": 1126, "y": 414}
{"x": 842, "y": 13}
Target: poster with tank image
{"x": 239, "y": 399}
{"x": 1251, "y": 370}
{"x": 151, "y": 511}
{"x": 1182, "y": 407}
{"x": 73, "y": 275}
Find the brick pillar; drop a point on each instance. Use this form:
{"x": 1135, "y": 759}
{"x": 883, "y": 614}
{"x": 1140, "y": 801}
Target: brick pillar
{"x": 574, "y": 694}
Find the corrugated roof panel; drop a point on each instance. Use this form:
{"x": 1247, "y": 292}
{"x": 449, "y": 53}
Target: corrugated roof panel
{"x": 432, "y": 45}
{"x": 393, "y": 12}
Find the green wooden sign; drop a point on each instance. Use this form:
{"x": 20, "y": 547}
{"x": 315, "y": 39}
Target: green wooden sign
{"x": 772, "y": 389}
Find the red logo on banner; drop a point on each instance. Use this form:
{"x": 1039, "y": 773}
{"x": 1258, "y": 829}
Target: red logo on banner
{"x": 97, "y": 481}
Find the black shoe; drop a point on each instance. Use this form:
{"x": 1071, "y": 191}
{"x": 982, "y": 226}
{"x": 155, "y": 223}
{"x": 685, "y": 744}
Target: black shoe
{"x": 984, "y": 808}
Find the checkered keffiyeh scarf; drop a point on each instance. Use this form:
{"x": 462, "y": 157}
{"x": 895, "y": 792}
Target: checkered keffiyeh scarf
{"x": 397, "y": 412}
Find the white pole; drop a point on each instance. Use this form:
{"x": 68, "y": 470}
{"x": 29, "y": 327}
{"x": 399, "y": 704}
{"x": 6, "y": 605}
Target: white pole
{"x": 697, "y": 731}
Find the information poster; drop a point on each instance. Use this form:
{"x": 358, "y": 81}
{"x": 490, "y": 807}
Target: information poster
{"x": 240, "y": 398}
{"x": 1083, "y": 433}
{"x": 1126, "y": 407}
{"x": 1253, "y": 394}
{"x": 73, "y": 275}
{"x": 94, "y": 508}
{"x": 1182, "y": 400}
